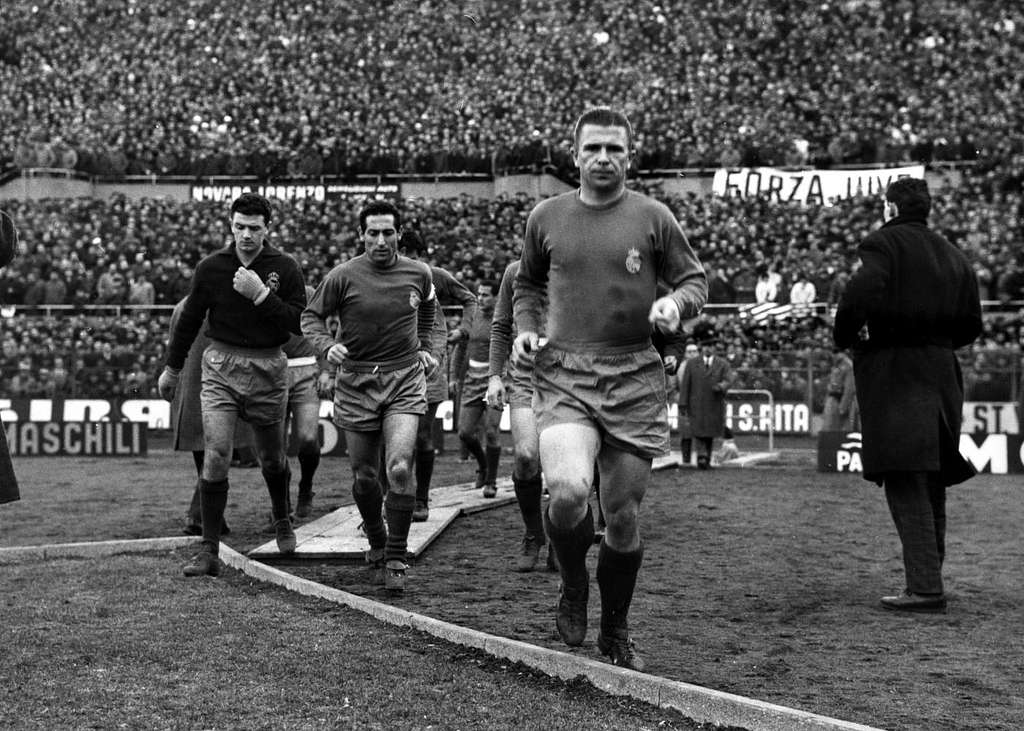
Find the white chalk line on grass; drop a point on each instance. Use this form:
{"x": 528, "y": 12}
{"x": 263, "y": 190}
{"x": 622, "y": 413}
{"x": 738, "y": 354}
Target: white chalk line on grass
{"x": 693, "y": 701}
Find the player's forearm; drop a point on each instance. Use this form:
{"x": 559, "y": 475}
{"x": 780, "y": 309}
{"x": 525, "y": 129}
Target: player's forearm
{"x": 425, "y": 324}
{"x": 314, "y": 327}
{"x": 501, "y": 342}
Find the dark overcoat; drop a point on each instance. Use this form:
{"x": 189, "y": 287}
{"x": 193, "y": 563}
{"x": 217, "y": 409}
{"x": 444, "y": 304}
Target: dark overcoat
{"x": 186, "y": 411}
{"x": 910, "y": 305}
{"x": 702, "y": 393}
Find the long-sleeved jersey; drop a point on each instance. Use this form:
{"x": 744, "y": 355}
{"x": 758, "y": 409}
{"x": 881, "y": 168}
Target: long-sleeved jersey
{"x": 385, "y": 314}
{"x": 232, "y": 318}
{"x": 449, "y": 291}
{"x": 502, "y": 324}
{"x": 599, "y": 267}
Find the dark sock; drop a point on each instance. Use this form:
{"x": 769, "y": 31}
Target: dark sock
{"x": 370, "y": 502}
{"x": 193, "y": 507}
{"x": 424, "y": 473}
{"x": 473, "y": 445}
{"x": 213, "y": 499}
{"x": 308, "y": 462}
{"x": 277, "y": 486}
{"x": 398, "y": 509}
{"x": 570, "y": 546}
{"x": 616, "y": 578}
{"x": 528, "y": 495}
{"x": 493, "y": 459}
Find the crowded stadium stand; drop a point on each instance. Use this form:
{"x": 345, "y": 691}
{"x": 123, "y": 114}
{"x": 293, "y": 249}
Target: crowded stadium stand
{"x": 119, "y": 96}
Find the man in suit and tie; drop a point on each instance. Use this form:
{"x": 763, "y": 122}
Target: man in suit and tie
{"x": 702, "y": 391}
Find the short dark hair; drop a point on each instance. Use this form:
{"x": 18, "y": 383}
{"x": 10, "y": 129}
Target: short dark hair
{"x": 379, "y": 208}
{"x": 911, "y": 196}
{"x": 252, "y": 204}
{"x": 602, "y": 117}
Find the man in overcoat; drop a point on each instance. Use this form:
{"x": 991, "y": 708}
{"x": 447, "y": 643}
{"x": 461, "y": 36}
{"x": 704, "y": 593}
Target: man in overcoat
{"x": 702, "y": 391}
{"x": 912, "y": 303}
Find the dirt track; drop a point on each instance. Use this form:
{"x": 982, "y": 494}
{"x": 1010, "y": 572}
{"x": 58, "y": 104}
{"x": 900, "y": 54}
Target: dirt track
{"x": 765, "y": 582}
{"x": 761, "y": 581}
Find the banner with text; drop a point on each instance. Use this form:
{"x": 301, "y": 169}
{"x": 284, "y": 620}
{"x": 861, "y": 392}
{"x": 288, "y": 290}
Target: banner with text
{"x": 809, "y": 187}
{"x": 297, "y": 191}
{"x": 998, "y": 454}
{"x": 77, "y": 439}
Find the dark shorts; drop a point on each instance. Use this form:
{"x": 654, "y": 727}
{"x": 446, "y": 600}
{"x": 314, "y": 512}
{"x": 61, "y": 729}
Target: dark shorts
{"x": 520, "y": 386}
{"x": 474, "y": 387}
{"x": 251, "y": 383}
{"x": 302, "y": 385}
{"x": 622, "y": 395}
{"x": 363, "y": 399}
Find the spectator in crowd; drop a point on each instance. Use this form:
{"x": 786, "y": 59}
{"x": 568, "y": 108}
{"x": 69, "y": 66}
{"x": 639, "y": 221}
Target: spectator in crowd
{"x": 110, "y": 287}
{"x": 458, "y": 108}
{"x": 803, "y": 291}
{"x": 141, "y": 290}
{"x": 767, "y": 287}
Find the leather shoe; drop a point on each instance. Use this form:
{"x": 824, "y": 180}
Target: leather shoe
{"x": 909, "y": 602}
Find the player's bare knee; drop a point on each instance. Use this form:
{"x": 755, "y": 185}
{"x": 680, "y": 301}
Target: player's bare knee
{"x": 308, "y": 446}
{"x": 365, "y": 481}
{"x": 568, "y": 496}
{"x": 526, "y": 463}
{"x": 399, "y": 476}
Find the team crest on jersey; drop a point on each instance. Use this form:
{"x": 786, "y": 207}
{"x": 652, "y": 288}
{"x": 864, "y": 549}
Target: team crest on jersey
{"x": 633, "y": 261}
{"x": 414, "y": 299}
{"x": 273, "y": 281}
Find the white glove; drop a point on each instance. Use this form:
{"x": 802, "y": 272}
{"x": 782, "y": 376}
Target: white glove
{"x": 167, "y": 384}
{"x": 248, "y": 284}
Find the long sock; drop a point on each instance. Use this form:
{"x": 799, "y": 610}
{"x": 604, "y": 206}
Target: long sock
{"x": 424, "y": 473}
{"x": 528, "y": 495}
{"x": 398, "y": 510}
{"x": 570, "y": 546}
{"x": 616, "y": 578}
{"x": 309, "y": 460}
{"x": 213, "y": 499}
{"x": 493, "y": 459}
{"x": 194, "y": 515}
{"x": 474, "y": 447}
{"x": 277, "y": 486}
{"x": 370, "y": 501}
{"x": 193, "y": 507}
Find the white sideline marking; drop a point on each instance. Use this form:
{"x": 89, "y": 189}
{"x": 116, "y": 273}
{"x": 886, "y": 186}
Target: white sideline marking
{"x": 700, "y": 704}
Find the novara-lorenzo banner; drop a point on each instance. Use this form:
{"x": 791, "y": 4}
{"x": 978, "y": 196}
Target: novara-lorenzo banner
{"x": 809, "y": 187}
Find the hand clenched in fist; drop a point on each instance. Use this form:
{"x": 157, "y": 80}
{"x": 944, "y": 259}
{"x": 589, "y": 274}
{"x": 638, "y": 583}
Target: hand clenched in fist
{"x": 248, "y": 284}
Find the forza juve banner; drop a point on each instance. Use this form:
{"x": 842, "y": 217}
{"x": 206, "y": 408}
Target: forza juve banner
{"x": 998, "y": 454}
{"x": 809, "y": 187}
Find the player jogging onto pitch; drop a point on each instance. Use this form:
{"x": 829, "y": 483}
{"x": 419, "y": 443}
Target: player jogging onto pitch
{"x": 595, "y": 257}
{"x": 251, "y": 295}
{"x": 385, "y": 305}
